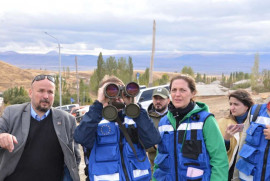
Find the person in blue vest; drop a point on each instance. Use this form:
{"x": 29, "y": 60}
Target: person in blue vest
{"x": 112, "y": 157}
{"x": 254, "y": 161}
{"x": 191, "y": 147}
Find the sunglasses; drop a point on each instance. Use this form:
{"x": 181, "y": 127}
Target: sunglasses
{"x": 42, "y": 77}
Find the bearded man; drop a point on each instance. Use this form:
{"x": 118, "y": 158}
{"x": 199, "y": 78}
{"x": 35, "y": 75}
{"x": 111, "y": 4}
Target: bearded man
{"x": 36, "y": 140}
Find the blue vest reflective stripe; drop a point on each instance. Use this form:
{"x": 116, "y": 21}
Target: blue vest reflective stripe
{"x": 105, "y": 157}
{"x": 193, "y": 160}
{"x": 255, "y": 156}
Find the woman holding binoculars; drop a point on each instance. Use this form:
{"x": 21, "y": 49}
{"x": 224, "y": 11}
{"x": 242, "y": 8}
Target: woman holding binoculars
{"x": 191, "y": 147}
{"x": 117, "y": 141}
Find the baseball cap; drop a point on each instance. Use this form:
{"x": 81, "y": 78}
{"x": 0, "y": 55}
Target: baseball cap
{"x": 162, "y": 92}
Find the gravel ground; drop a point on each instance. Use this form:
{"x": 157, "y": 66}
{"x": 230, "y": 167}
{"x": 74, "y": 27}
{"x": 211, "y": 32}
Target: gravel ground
{"x": 81, "y": 167}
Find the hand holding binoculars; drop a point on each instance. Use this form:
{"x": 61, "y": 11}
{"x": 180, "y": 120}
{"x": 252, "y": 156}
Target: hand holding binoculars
{"x": 113, "y": 91}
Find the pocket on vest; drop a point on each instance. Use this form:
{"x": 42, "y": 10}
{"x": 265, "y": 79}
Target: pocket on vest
{"x": 249, "y": 153}
{"x": 106, "y": 133}
{"x": 245, "y": 167}
{"x": 139, "y": 150}
{"x": 193, "y": 170}
{"x": 163, "y": 161}
{"x": 162, "y": 175}
{"x": 105, "y": 168}
{"x": 107, "y": 153}
{"x": 167, "y": 142}
{"x": 254, "y": 133}
{"x": 140, "y": 170}
{"x": 192, "y": 149}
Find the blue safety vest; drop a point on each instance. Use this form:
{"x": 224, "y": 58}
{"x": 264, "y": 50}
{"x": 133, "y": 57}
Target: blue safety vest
{"x": 113, "y": 159}
{"x": 182, "y": 154}
{"x": 254, "y": 163}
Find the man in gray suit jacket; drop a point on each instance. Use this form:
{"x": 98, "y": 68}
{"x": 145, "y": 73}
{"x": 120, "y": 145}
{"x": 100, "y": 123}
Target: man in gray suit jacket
{"x": 36, "y": 140}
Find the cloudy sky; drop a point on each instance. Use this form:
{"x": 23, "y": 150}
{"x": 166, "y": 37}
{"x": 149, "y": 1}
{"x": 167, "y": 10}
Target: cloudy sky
{"x": 125, "y": 26}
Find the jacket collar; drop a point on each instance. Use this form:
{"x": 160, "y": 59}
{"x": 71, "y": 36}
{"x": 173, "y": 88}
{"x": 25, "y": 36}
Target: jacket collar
{"x": 58, "y": 123}
{"x": 56, "y": 118}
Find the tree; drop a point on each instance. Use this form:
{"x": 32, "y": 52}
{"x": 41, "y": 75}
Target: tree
{"x": 111, "y": 66}
{"x": 266, "y": 79}
{"x": 100, "y": 68}
{"x": 198, "y": 78}
{"x": 187, "y": 70}
{"x": 130, "y": 69}
{"x": 68, "y": 72}
{"x": 84, "y": 93}
{"x": 255, "y": 71}
{"x": 164, "y": 79}
{"x": 144, "y": 78}
{"x": 123, "y": 70}
{"x": 94, "y": 82}
{"x": 15, "y": 95}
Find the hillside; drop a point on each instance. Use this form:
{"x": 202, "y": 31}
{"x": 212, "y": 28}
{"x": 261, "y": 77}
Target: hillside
{"x": 12, "y": 76}
{"x": 164, "y": 61}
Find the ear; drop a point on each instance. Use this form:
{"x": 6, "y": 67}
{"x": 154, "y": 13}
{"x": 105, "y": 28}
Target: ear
{"x": 30, "y": 93}
{"x": 193, "y": 94}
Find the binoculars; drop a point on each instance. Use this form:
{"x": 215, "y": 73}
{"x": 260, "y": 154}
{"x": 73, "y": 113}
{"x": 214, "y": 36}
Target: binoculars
{"x": 113, "y": 91}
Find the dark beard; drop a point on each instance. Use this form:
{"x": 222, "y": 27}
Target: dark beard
{"x": 161, "y": 109}
{"x": 42, "y": 109}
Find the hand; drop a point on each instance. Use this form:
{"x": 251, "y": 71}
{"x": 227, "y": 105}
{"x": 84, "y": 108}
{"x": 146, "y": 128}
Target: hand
{"x": 7, "y": 141}
{"x": 126, "y": 99}
{"x": 266, "y": 132}
{"x": 101, "y": 96}
{"x": 230, "y": 131}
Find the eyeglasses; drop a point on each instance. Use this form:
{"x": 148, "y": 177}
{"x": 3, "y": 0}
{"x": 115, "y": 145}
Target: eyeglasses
{"x": 42, "y": 77}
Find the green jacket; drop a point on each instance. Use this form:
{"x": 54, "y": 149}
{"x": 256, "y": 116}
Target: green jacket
{"x": 153, "y": 115}
{"x": 214, "y": 143}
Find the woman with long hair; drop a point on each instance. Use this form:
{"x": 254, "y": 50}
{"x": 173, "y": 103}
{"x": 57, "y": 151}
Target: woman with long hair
{"x": 232, "y": 126}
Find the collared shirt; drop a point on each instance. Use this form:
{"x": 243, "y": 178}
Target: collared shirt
{"x": 164, "y": 112}
{"x": 36, "y": 116}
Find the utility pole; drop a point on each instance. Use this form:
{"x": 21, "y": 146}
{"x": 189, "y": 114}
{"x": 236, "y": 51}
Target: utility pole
{"x": 77, "y": 80}
{"x": 152, "y": 57}
{"x": 60, "y": 78}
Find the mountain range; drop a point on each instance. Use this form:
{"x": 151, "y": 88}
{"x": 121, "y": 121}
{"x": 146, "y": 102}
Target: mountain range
{"x": 169, "y": 62}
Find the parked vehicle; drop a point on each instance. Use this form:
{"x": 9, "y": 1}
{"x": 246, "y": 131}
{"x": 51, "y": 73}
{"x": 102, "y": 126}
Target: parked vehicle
{"x": 68, "y": 107}
{"x": 78, "y": 112}
{"x": 145, "y": 95}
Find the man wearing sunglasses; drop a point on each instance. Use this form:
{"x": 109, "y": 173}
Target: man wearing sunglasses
{"x": 36, "y": 140}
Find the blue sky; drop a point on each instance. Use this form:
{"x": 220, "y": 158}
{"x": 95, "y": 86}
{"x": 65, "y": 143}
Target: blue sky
{"x": 125, "y": 26}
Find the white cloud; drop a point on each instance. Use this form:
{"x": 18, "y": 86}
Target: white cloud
{"x": 118, "y": 25}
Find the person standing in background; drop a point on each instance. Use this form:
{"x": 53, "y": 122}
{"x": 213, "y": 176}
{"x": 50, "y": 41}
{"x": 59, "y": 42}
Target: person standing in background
{"x": 253, "y": 162}
{"x": 232, "y": 126}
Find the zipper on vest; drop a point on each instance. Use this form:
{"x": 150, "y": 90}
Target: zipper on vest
{"x": 122, "y": 159}
{"x": 175, "y": 156}
{"x": 266, "y": 152}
